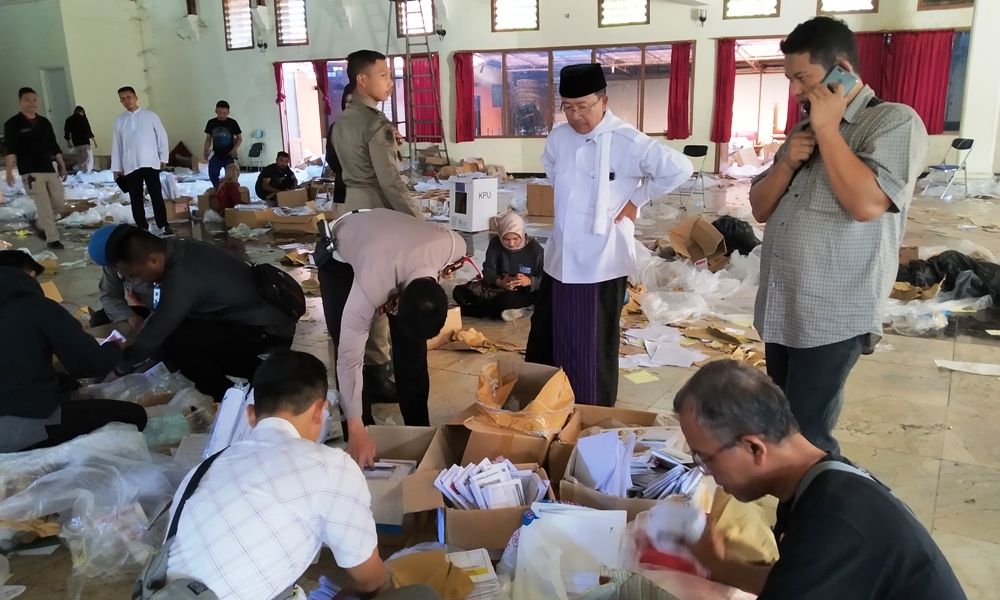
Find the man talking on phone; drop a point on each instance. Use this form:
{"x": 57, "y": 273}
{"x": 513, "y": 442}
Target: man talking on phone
{"x": 834, "y": 204}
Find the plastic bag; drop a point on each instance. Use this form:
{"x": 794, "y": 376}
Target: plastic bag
{"x": 190, "y": 411}
{"x": 104, "y": 489}
{"x": 918, "y": 317}
{"x": 140, "y": 389}
{"x": 657, "y": 539}
{"x": 213, "y": 217}
{"x": 8, "y": 591}
{"x": 739, "y": 235}
{"x": 242, "y": 231}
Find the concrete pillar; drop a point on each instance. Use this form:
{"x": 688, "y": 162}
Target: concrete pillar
{"x": 981, "y": 114}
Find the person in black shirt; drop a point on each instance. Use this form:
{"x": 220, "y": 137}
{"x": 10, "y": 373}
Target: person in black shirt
{"x": 223, "y": 136}
{"x": 512, "y": 274}
{"x": 841, "y": 533}
{"x": 79, "y": 135}
{"x": 339, "y": 187}
{"x": 32, "y": 142}
{"x": 276, "y": 177}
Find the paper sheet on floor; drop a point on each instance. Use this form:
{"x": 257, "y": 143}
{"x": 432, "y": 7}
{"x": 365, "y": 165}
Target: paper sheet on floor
{"x": 968, "y": 367}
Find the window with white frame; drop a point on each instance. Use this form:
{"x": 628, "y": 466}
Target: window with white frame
{"x": 515, "y": 15}
{"x": 735, "y": 9}
{"x": 414, "y": 17}
{"x": 239, "y": 24}
{"x": 622, "y": 12}
{"x": 847, "y": 6}
{"x": 290, "y": 17}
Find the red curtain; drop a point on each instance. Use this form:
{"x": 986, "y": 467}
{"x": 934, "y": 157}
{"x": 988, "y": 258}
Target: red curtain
{"x": 465, "y": 98}
{"x": 917, "y": 69}
{"x": 279, "y": 81}
{"x": 679, "y": 113}
{"x": 423, "y": 124}
{"x": 323, "y": 85}
{"x": 871, "y": 58}
{"x": 725, "y": 90}
{"x": 794, "y": 113}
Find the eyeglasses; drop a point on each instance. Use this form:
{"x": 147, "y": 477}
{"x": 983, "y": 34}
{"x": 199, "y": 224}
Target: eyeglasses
{"x": 702, "y": 462}
{"x": 571, "y": 110}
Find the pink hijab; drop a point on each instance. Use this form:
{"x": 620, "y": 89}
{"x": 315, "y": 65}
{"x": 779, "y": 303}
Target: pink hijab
{"x": 512, "y": 223}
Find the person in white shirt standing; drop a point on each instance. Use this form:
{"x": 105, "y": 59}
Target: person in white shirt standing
{"x": 139, "y": 152}
{"x": 603, "y": 170}
{"x": 268, "y": 503}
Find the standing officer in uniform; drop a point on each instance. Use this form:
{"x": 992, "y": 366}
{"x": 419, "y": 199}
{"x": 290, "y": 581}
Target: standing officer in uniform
{"x": 365, "y": 144}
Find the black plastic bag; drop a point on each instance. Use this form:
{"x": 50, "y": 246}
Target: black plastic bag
{"x": 738, "y": 233}
{"x": 983, "y": 278}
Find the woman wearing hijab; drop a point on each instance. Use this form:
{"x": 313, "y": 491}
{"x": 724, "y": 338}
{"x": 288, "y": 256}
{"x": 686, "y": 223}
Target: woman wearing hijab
{"x": 228, "y": 192}
{"x": 511, "y": 275}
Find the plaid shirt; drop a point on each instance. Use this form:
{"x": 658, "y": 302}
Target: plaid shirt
{"x": 825, "y": 277}
{"x": 264, "y": 509}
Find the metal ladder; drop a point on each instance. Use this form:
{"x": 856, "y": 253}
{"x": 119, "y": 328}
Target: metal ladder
{"x": 413, "y": 16}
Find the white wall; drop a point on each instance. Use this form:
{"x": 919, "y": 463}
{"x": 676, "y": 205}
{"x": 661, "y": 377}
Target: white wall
{"x": 32, "y": 38}
{"x": 105, "y": 46}
{"x": 188, "y": 77}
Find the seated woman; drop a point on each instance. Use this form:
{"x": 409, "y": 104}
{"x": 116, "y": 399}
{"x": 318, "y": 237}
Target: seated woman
{"x": 229, "y": 189}
{"x": 511, "y": 275}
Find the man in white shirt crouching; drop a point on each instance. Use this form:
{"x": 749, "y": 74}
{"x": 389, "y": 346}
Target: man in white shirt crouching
{"x": 269, "y": 502}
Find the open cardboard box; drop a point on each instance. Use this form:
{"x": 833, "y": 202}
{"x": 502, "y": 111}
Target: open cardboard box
{"x": 585, "y": 416}
{"x": 426, "y": 445}
{"x": 700, "y": 242}
{"x": 178, "y": 209}
{"x": 292, "y": 198}
{"x": 571, "y": 490}
{"x": 295, "y": 223}
{"x": 253, "y": 219}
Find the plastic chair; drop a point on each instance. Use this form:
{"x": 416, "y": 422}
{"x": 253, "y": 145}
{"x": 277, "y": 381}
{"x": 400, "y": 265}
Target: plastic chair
{"x": 256, "y": 154}
{"x": 950, "y": 171}
{"x": 696, "y": 151}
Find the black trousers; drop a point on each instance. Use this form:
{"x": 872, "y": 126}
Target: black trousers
{"x": 206, "y": 351}
{"x": 542, "y": 339}
{"x": 135, "y": 180}
{"x": 813, "y": 380}
{"x": 409, "y": 349}
{"x": 80, "y": 417}
{"x": 101, "y": 317}
{"x": 472, "y": 305}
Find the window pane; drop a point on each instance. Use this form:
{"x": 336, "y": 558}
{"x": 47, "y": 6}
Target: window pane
{"x": 656, "y": 93}
{"x": 487, "y": 69}
{"x": 751, "y": 8}
{"x": 622, "y": 68}
{"x": 624, "y": 12}
{"x": 239, "y": 24}
{"x": 560, "y": 59}
{"x": 291, "y": 18}
{"x": 515, "y": 14}
{"x": 956, "y": 84}
{"x": 832, "y": 6}
{"x": 414, "y": 17}
{"x": 528, "y": 93}
{"x": 336, "y": 74}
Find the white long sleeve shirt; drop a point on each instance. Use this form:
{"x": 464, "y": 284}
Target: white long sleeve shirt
{"x": 139, "y": 141}
{"x": 641, "y": 169}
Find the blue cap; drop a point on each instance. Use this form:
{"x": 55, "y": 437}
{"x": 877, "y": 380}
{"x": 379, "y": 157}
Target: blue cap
{"x": 98, "y": 246}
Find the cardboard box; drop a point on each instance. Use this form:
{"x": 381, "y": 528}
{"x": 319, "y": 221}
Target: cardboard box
{"x": 75, "y": 206}
{"x": 543, "y": 393}
{"x": 541, "y": 200}
{"x": 700, "y": 242}
{"x": 51, "y": 291}
{"x": 254, "y": 219}
{"x": 585, "y": 416}
{"x": 474, "y": 440}
{"x": 452, "y": 324}
{"x": 437, "y": 161}
{"x": 179, "y": 209}
{"x": 294, "y": 224}
{"x": 426, "y": 445}
{"x": 473, "y": 202}
{"x": 209, "y": 200}
{"x": 908, "y": 253}
{"x": 292, "y": 198}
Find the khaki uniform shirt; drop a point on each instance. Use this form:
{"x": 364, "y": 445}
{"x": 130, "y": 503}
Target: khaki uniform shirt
{"x": 366, "y": 146}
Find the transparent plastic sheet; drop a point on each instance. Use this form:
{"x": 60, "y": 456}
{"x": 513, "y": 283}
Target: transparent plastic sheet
{"x": 656, "y": 540}
{"x": 243, "y": 231}
{"x": 8, "y": 213}
{"x": 97, "y": 216}
{"x": 168, "y": 184}
{"x": 93, "y": 177}
{"x": 140, "y": 389}
{"x": 26, "y": 205}
{"x": 213, "y": 217}
{"x": 104, "y": 489}
{"x": 190, "y": 411}
{"x": 918, "y": 317}
{"x": 8, "y": 591}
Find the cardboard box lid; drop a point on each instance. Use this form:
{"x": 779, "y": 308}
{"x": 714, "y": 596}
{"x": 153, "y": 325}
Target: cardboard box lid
{"x": 393, "y": 499}
{"x": 452, "y": 324}
{"x": 293, "y": 219}
{"x": 697, "y": 239}
{"x": 292, "y": 198}
{"x": 51, "y": 291}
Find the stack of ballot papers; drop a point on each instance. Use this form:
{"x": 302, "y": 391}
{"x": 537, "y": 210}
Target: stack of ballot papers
{"x": 478, "y": 566}
{"x": 391, "y": 470}
{"x": 489, "y": 485}
{"x": 609, "y": 464}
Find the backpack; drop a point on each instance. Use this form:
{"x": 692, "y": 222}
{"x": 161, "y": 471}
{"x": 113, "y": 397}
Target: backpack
{"x": 279, "y": 289}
